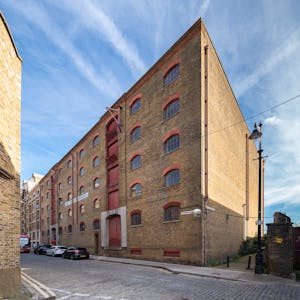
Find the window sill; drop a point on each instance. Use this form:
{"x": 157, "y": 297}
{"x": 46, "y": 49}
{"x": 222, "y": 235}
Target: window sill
{"x": 167, "y": 153}
{"x": 134, "y": 226}
{"x": 172, "y": 221}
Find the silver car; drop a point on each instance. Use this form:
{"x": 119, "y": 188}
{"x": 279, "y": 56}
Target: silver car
{"x": 56, "y": 250}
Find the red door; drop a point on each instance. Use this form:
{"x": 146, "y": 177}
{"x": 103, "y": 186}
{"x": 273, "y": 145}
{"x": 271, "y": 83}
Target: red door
{"x": 113, "y": 200}
{"x": 115, "y": 231}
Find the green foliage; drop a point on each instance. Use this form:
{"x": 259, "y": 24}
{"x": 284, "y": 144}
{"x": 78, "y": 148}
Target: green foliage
{"x": 249, "y": 246}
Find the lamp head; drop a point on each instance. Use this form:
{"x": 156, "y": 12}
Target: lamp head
{"x": 256, "y": 133}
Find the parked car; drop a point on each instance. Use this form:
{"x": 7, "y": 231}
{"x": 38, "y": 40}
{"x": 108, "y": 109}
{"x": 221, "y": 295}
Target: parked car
{"x": 41, "y": 250}
{"x": 25, "y": 249}
{"x": 56, "y": 250}
{"x": 76, "y": 253}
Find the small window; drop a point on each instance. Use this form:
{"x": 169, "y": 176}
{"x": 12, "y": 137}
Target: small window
{"x": 70, "y": 163}
{"x": 48, "y": 207}
{"x": 60, "y": 202}
{"x": 47, "y": 196}
{"x": 82, "y": 226}
{"x": 96, "y": 141}
{"x": 59, "y": 186}
{"x": 171, "y": 75}
{"x": 96, "y": 224}
{"x": 69, "y": 180}
{"x": 172, "y": 213}
{"x": 172, "y": 109}
{"x": 81, "y": 153}
{"x": 70, "y": 212}
{"x": 81, "y": 171}
{"x": 96, "y": 183}
{"x": 172, "y": 143}
{"x": 96, "y": 161}
{"x": 96, "y": 203}
{"x": 136, "y": 162}
{"x": 136, "y": 218}
{"x": 135, "y": 106}
{"x": 135, "y": 134}
{"x": 136, "y": 189}
{"x": 60, "y": 215}
{"x": 172, "y": 177}
{"x": 81, "y": 208}
{"x": 69, "y": 196}
{"x": 81, "y": 190}
{"x": 70, "y": 228}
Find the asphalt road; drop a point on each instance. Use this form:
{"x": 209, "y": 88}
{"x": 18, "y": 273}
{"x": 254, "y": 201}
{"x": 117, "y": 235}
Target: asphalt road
{"x": 90, "y": 279}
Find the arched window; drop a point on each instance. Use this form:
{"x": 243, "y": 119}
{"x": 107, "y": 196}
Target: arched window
{"x": 136, "y": 217}
{"x": 96, "y": 224}
{"x": 60, "y": 202}
{"x": 172, "y": 143}
{"x": 69, "y": 196}
{"x": 81, "y": 190}
{"x": 171, "y": 109}
{"x": 96, "y": 183}
{"x": 172, "y": 211}
{"x": 96, "y": 203}
{"x": 69, "y": 228}
{"x": 96, "y": 161}
{"x": 60, "y": 215}
{"x": 136, "y": 162}
{"x": 69, "y": 180}
{"x": 81, "y": 153}
{"x": 81, "y": 171}
{"x": 135, "y": 134}
{"x": 70, "y": 163}
{"x": 172, "y": 177}
{"x": 81, "y": 208}
{"x": 135, "y": 106}
{"x": 171, "y": 75}
{"x": 60, "y": 186}
{"x": 136, "y": 189}
{"x": 81, "y": 226}
{"x": 70, "y": 212}
{"x": 96, "y": 141}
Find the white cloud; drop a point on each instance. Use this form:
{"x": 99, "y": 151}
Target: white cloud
{"x": 272, "y": 121}
{"x": 38, "y": 16}
{"x": 92, "y": 16}
{"x": 290, "y": 44}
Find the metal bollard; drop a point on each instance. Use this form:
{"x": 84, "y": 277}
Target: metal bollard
{"x": 249, "y": 262}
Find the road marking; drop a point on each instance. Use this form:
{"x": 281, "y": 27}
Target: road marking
{"x": 69, "y": 294}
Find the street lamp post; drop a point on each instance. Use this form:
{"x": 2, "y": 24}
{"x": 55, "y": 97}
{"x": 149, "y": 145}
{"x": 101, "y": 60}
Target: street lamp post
{"x": 257, "y": 134}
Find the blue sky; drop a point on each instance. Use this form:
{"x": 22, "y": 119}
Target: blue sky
{"x": 80, "y": 56}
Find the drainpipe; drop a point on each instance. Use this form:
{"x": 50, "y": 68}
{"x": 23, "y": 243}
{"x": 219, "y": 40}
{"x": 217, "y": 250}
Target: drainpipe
{"x": 204, "y": 200}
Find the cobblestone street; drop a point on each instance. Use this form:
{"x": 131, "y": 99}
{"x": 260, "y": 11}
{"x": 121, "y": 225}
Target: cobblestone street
{"x": 94, "y": 279}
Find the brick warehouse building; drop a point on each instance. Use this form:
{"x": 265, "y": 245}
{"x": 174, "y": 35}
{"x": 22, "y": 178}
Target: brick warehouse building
{"x": 166, "y": 147}
{"x": 10, "y": 106}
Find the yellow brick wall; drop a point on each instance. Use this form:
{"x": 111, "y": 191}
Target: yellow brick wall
{"x": 226, "y": 160}
{"x": 10, "y": 96}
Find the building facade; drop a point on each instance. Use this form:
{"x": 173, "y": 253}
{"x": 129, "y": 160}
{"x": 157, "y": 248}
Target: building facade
{"x": 166, "y": 174}
{"x": 10, "y": 106}
{"x": 30, "y": 209}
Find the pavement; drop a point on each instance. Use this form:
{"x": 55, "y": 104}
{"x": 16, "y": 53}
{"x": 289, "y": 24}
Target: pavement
{"x": 237, "y": 271}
